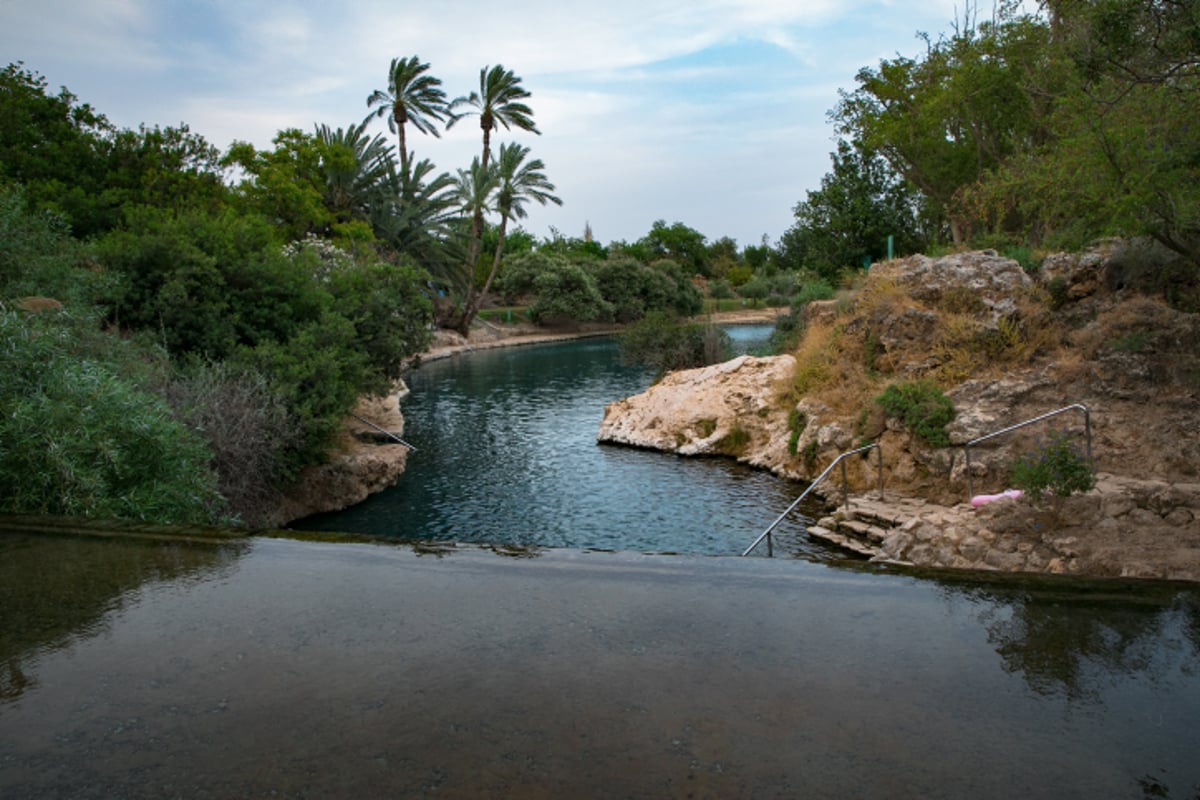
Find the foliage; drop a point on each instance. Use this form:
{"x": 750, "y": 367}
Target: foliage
{"x": 663, "y": 343}
{"x": 1049, "y": 131}
{"x": 860, "y": 203}
{"x": 797, "y": 422}
{"x": 412, "y": 97}
{"x": 56, "y": 147}
{"x": 720, "y": 289}
{"x": 77, "y": 439}
{"x": 681, "y": 244}
{"x": 516, "y": 181}
{"x": 943, "y": 120}
{"x": 247, "y": 429}
{"x": 734, "y": 443}
{"x": 1056, "y": 465}
{"x": 814, "y": 289}
{"x": 38, "y": 257}
{"x": 922, "y": 408}
{"x": 755, "y": 289}
{"x": 788, "y": 329}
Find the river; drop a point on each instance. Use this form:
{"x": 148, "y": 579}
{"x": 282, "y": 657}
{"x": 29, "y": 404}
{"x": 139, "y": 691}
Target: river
{"x": 506, "y": 453}
{"x": 145, "y": 663}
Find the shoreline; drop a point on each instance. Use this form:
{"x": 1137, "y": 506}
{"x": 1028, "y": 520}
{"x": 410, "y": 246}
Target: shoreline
{"x": 488, "y": 335}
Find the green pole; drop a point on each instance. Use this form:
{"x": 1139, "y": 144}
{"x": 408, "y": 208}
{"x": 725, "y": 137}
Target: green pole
{"x": 891, "y": 244}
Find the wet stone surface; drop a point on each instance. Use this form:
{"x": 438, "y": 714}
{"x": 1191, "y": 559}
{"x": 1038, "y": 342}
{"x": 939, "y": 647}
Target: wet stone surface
{"x": 279, "y": 668}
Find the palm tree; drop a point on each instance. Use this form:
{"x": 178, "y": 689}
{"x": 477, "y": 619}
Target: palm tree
{"x": 411, "y": 96}
{"x": 358, "y": 170}
{"x": 517, "y": 182}
{"x": 472, "y": 192}
{"x": 417, "y": 218}
{"x": 498, "y": 102}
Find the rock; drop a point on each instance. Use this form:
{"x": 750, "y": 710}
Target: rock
{"x": 988, "y": 278}
{"x": 363, "y": 462}
{"x": 700, "y": 411}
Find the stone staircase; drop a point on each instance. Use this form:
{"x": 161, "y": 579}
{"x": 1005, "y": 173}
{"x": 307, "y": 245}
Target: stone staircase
{"x": 863, "y": 526}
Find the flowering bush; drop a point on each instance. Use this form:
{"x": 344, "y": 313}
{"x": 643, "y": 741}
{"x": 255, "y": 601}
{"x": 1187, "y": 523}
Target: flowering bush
{"x": 1056, "y": 465}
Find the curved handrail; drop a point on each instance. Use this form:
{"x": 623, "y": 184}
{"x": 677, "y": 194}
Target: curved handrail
{"x": 1087, "y": 427}
{"x": 845, "y": 500}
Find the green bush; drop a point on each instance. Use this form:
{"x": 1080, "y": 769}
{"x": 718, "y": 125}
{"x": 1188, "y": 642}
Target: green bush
{"x": 815, "y": 289}
{"x": 663, "y": 343}
{"x": 923, "y": 409}
{"x": 1056, "y": 465}
{"x": 720, "y": 289}
{"x": 77, "y": 439}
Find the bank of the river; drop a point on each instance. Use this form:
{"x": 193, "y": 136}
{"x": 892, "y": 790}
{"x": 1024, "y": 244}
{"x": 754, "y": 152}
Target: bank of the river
{"x": 976, "y": 323}
{"x": 366, "y": 460}
{"x": 486, "y": 335}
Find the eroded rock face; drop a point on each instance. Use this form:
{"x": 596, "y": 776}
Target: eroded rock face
{"x": 364, "y": 461}
{"x": 990, "y": 278}
{"x": 730, "y": 408}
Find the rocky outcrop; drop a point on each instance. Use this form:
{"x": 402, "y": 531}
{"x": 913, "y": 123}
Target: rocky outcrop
{"x": 363, "y": 462}
{"x": 1126, "y": 527}
{"x": 727, "y": 409}
{"x": 1131, "y": 360}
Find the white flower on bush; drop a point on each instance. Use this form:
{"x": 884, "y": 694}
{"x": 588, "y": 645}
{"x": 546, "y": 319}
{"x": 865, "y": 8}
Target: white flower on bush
{"x": 320, "y": 256}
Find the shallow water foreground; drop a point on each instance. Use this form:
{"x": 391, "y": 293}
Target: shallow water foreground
{"x": 268, "y": 667}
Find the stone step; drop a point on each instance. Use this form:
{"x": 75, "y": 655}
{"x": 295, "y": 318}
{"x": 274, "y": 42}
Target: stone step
{"x": 843, "y": 541}
{"x": 864, "y": 529}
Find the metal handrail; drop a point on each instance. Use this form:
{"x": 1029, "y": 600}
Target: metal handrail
{"x": 1087, "y": 427}
{"x": 845, "y": 497}
{"x": 384, "y": 431}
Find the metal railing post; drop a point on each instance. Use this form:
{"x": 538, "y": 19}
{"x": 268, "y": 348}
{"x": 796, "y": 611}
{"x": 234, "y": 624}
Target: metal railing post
{"x": 845, "y": 497}
{"x": 1087, "y": 428}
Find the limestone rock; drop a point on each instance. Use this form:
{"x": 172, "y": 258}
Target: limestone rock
{"x": 731, "y": 408}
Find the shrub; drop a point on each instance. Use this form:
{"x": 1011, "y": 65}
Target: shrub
{"x": 734, "y": 443}
{"x": 797, "y": 422}
{"x": 815, "y": 289}
{"x": 1057, "y": 465}
{"x": 78, "y": 439}
{"x": 720, "y": 289}
{"x": 663, "y": 343}
{"x": 923, "y": 409}
{"x": 247, "y": 429}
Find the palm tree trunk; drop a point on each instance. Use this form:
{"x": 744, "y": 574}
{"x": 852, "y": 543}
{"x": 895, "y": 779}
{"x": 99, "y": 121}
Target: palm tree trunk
{"x": 475, "y": 299}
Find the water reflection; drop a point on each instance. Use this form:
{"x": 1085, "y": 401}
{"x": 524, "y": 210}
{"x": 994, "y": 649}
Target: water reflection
{"x": 58, "y": 589}
{"x": 1059, "y": 635}
{"x": 299, "y": 669}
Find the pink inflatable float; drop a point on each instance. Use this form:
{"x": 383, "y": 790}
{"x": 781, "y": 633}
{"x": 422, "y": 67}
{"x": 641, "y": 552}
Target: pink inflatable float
{"x": 982, "y": 499}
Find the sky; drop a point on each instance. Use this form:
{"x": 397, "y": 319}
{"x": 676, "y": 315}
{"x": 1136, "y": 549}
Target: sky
{"x": 712, "y": 113}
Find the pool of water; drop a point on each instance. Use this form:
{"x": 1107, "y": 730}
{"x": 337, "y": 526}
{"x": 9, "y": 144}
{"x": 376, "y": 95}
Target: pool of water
{"x": 148, "y": 668}
{"x": 507, "y": 453}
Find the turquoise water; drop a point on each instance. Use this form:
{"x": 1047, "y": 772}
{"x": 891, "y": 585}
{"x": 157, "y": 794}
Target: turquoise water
{"x": 507, "y": 453}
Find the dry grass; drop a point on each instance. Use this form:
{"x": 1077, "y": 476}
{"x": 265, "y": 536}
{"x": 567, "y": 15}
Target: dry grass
{"x": 841, "y": 364}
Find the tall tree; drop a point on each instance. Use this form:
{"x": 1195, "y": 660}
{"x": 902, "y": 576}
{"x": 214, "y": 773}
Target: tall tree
{"x": 499, "y": 102}
{"x": 860, "y": 203}
{"x": 517, "y": 182}
{"x": 944, "y": 120}
{"x": 410, "y": 96}
{"x": 472, "y": 193}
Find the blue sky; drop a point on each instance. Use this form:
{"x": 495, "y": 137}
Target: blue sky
{"x": 706, "y": 112}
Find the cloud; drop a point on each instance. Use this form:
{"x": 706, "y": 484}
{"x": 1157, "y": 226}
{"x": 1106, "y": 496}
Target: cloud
{"x": 710, "y": 112}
